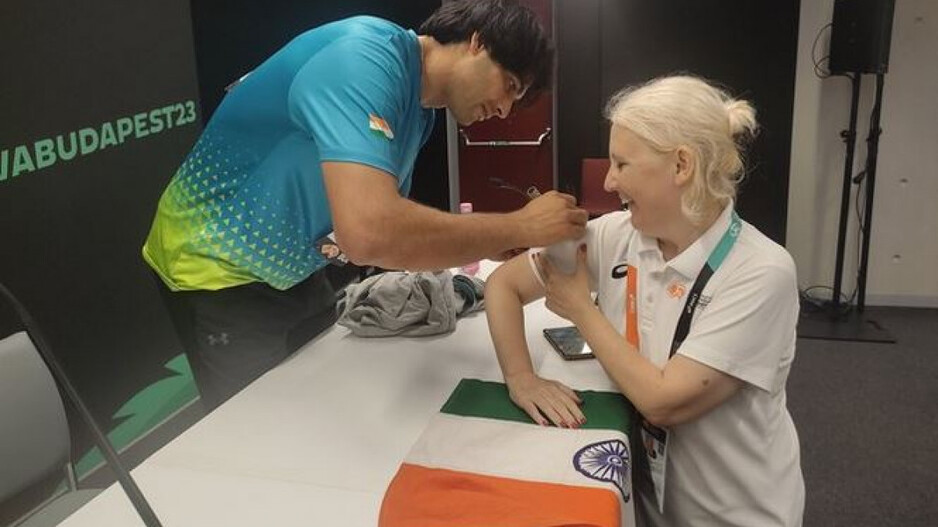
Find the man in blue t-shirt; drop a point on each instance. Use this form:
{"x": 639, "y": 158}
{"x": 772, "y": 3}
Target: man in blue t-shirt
{"x": 322, "y": 137}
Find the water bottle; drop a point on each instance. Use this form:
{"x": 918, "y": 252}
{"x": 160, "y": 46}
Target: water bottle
{"x": 470, "y": 268}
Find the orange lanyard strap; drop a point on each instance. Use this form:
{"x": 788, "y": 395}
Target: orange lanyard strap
{"x": 631, "y": 306}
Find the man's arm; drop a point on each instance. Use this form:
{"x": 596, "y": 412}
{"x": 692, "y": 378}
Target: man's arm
{"x": 374, "y": 225}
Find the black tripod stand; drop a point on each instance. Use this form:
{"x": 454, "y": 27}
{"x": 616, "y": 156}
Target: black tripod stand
{"x": 836, "y": 320}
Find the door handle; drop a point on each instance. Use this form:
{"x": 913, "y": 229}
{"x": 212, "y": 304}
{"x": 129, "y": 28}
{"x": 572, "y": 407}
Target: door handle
{"x": 499, "y": 143}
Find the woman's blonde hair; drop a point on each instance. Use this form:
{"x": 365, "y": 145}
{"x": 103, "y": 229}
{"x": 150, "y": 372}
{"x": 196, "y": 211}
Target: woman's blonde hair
{"x": 671, "y": 112}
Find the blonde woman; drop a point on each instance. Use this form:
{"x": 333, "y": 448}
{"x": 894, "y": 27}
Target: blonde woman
{"x": 694, "y": 319}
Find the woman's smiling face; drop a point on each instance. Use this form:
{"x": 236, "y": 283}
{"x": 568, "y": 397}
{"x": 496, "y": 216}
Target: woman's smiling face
{"x": 645, "y": 179}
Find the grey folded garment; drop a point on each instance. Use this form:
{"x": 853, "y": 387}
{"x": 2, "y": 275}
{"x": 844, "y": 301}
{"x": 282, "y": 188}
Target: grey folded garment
{"x": 409, "y": 304}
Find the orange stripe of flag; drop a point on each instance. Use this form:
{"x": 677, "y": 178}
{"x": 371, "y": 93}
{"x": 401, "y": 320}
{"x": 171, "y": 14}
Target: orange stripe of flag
{"x": 430, "y": 497}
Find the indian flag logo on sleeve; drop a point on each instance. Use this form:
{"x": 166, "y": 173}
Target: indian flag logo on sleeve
{"x": 379, "y": 127}
{"x": 482, "y": 462}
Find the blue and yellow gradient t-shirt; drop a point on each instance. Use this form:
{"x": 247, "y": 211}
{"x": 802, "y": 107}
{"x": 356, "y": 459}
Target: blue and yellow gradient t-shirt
{"x": 248, "y": 203}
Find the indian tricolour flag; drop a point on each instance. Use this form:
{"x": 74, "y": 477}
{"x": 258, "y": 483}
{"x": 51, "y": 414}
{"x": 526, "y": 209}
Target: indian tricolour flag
{"x": 482, "y": 462}
{"x": 380, "y": 127}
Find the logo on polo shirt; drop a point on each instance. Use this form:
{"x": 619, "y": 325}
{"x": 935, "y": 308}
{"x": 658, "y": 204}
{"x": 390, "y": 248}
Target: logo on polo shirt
{"x": 620, "y": 271}
{"x": 676, "y": 290}
{"x": 380, "y": 127}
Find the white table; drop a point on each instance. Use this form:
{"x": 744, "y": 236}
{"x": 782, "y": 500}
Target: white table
{"x": 315, "y": 441}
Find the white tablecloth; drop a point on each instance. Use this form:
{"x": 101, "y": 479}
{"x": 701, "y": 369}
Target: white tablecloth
{"x": 315, "y": 441}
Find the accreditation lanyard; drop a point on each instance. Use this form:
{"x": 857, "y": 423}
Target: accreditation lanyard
{"x": 655, "y": 439}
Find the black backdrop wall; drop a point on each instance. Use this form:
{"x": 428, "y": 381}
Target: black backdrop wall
{"x": 749, "y": 47}
{"x": 233, "y": 36}
{"x": 98, "y": 105}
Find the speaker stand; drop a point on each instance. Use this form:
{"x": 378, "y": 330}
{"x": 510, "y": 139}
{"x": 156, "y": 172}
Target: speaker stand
{"x": 836, "y": 321}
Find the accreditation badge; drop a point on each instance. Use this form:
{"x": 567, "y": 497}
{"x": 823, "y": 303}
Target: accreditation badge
{"x": 655, "y": 441}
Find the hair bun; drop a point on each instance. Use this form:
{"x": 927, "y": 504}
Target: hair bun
{"x": 742, "y": 118}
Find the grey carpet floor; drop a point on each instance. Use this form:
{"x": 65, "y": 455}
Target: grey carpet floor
{"x": 867, "y": 418}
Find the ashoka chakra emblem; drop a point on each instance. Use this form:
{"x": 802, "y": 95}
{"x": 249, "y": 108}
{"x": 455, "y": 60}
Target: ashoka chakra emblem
{"x": 605, "y": 461}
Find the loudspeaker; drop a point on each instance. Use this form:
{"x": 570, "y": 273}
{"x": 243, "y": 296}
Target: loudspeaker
{"x": 860, "y": 36}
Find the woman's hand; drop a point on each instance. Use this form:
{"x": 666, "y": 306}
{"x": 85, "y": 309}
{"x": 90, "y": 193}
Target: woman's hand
{"x": 567, "y": 295}
{"x": 542, "y": 398}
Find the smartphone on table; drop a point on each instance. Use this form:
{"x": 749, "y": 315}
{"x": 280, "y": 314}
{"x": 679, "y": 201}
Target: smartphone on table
{"x": 568, "y": 342}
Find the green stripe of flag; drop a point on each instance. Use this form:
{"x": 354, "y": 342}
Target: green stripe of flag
{"x": 476, "y": 398}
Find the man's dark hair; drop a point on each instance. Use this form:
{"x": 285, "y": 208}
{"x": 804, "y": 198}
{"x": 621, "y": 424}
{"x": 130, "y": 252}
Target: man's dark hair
{"x": 509, "y": 31}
